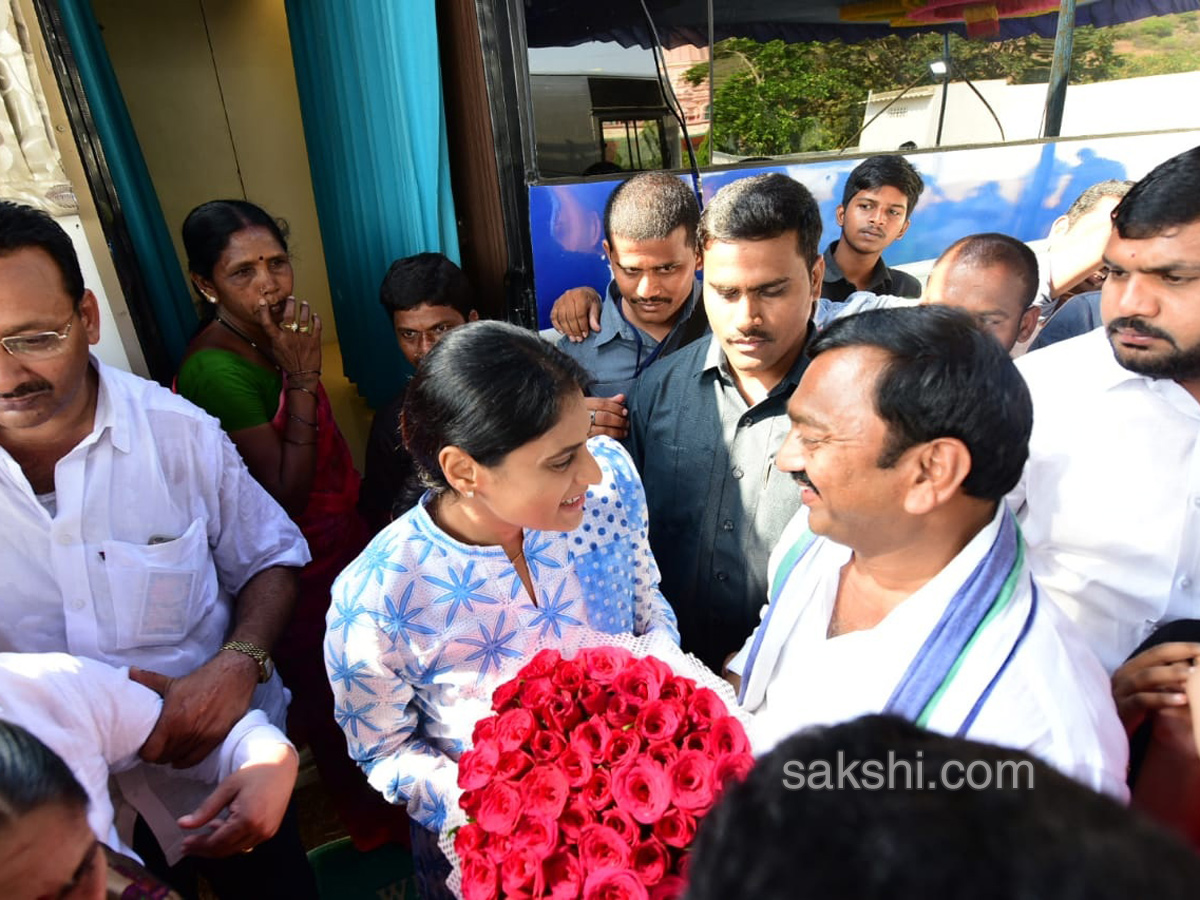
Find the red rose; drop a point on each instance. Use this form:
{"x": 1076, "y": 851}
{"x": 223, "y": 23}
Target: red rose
{"x": 577, "y": 766}
{"x": 622, "y": 710}
{"x": 660, "y": 720}
{"x": 536, "y": 692}
{"x": 479, "y": 878}
{"x": 536, "y": 833}
{"x": 514, "y": 728}
{"x": 670, "y": 888}
{"x": 543, "y": 663}
{"x": 651, "y": 861}
{"x": 505, "y": 696}
{"x": 469, "y": 802}
{"x": 547, "y": 745}
{"x": 559, "y": 712}
{"x": 698, "y": 741}
{"x": 643, "y": 790}
{"x": 704, "y": 707}
{"x": 568, "y": 676}
{"x": 593, "y": 697}
{"x": 732, "y": 768}
{"x": 641, "y": 680}
{"x": 622, "y": 823}
{"x": 521, "y": 871}
{"x": 676, "y": 828}
{"x": 498, "y": 847}
{"x": 563, "y": 875}
{"x": 590, "y": 737}
{"x": 544, "y": 791}
{"x": 499, "y": 807}
{"x": 613, "y": 884}
{"x": 603, "y": 664}
{"x": 728, "y": 736}
{"x": 477, "y": 767}
{"x": 677, "y": 688}
{"x": 692, "y": 784}
{"x": 622, "y": 747}
{"x": 469, "y": 839}
{"x": 485, "y": 730}
{"x": 601, "y": 847}
{"x": 575, "y": 816}
{"x": 663, "y": 752}
{"x": 597, "y": 793}
{"x": 512, "y": 765}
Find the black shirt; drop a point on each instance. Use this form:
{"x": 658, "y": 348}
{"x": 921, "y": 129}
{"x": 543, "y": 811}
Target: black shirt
{"x": 884, "y": 280}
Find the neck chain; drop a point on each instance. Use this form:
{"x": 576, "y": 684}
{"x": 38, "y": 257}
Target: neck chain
{"x": 245, "y": 337}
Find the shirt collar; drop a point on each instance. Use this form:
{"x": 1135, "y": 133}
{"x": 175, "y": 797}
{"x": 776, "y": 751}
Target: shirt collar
{"x": 106, "y": 416}
{"x": 715, "y": 361}
{"x": 881, "y": 275}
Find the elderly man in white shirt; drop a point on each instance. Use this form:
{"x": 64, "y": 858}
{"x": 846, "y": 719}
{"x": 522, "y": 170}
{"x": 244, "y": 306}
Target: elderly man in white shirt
{"x": 902, "y": 587}
{"x": 132, "y": 532}
{"x": 1110, "y": 499}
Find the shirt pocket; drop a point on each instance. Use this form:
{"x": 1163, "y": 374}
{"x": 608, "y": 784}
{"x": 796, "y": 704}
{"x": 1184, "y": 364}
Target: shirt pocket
{"x": 606, "y": 576}
{"x": 158, "y": 590}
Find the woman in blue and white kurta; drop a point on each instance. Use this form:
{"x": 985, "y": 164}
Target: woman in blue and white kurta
{"x": 421, "y": 623}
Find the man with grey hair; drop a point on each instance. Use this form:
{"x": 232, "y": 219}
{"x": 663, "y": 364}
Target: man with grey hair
{"x": 650, "y": 239}
{"x": 705, "y": 424}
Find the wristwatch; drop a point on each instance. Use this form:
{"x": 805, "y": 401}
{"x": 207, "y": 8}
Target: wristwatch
{"x": 266, "y": 668}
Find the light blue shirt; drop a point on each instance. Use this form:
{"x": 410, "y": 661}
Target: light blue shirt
{"x": 423, "y": 628}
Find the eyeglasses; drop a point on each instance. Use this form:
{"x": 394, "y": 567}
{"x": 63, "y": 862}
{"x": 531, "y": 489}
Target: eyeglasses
{"x": 37, "y": 346}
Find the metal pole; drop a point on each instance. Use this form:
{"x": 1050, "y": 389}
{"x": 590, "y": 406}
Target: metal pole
{"x": 1060, "y": 69}
{"x": 712, "y": 85}
{"x": 945, "y": 86}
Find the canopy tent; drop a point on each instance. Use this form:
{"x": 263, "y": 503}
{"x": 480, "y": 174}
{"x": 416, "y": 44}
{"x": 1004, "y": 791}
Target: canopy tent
{"x": 565, "y": 23}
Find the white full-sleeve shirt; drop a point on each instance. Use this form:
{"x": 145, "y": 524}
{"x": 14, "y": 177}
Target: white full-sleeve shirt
{"x": 157, "y": 525}
{"x": 1110, "y": 500}
{"x": 96, "y": 720}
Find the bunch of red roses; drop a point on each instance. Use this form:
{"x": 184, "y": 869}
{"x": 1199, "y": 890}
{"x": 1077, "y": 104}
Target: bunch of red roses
{"x": 590, "y": 779}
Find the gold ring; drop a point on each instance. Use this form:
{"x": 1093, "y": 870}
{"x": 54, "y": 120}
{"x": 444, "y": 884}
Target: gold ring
{"x": 304, "y": 329}
{"x": 295, "y": 326}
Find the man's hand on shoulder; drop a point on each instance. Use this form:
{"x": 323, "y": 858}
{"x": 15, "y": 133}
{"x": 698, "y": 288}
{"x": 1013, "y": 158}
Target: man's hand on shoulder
{"x": 1153, "y": 680}
{"x": 199, "y": 709}
{"x": 576, "y": 313}
{"x": 609, "y": 416}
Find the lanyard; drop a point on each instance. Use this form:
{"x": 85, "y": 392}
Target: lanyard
{"x": 639, "y": 365}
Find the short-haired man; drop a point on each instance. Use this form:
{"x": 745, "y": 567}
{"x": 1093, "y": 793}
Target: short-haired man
{"x": 133, "y": 533}
{"x": 991, "y": 276}
{"x": 425, "y": 296}
{"x": 705, "y": 422}
{"x": 1110, "y": 500}
{"x": 877, "y": 807}
{"x": 905, "y": 581}
{"x": 876, "y": 209}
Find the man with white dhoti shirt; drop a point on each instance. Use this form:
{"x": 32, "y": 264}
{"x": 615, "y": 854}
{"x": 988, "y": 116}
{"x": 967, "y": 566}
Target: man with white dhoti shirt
{"x": 901, "y": 587}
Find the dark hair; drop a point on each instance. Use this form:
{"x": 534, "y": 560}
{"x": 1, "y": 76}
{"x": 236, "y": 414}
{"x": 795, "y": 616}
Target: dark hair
{"x": 1087, "y": 201}
{"x": 945, "y": 378}
{"x": 425, "y": 278}
{"x": 995, "y": 249}
{"x": 1166, "y": 198}
{"x": 649, "y": 207}
{"x": 763, "y": 207}
{"x": 487, "y": 388}
{"x": 208, "y": 228}
{"x": 32, "y": 776}
{"x": 23, "y": 227}
{"x": 1032, "y": 832}
{"x": 888, "y": 170}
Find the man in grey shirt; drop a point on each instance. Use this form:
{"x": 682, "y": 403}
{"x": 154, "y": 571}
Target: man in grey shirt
{"x": 650, "y": 308}
{"x": 706, "y": 422}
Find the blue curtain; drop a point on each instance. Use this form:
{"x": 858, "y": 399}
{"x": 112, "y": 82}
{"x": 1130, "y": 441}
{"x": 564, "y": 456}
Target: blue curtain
{"x": 371, "y": 99}
{"x": 166, "y": 287}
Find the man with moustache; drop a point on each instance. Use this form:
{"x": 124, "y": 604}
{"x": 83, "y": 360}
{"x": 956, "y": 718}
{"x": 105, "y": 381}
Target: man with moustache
{"x": 133, "y": 534}
{"x": 705, "y": 422}
{"x": 1110, "y": 500}
{"x": 902, "y": 587}
{"x": 876, "y": 210}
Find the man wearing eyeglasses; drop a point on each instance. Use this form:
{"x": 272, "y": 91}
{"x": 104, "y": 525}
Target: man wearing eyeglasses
{"x": 131, "y": 531}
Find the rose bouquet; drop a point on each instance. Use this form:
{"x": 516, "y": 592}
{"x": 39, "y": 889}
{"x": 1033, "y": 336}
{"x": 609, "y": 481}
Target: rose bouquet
{"x": 590, "y": 779}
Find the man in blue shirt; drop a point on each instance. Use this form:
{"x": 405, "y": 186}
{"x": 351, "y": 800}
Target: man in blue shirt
{"x": 647, "y": 311}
